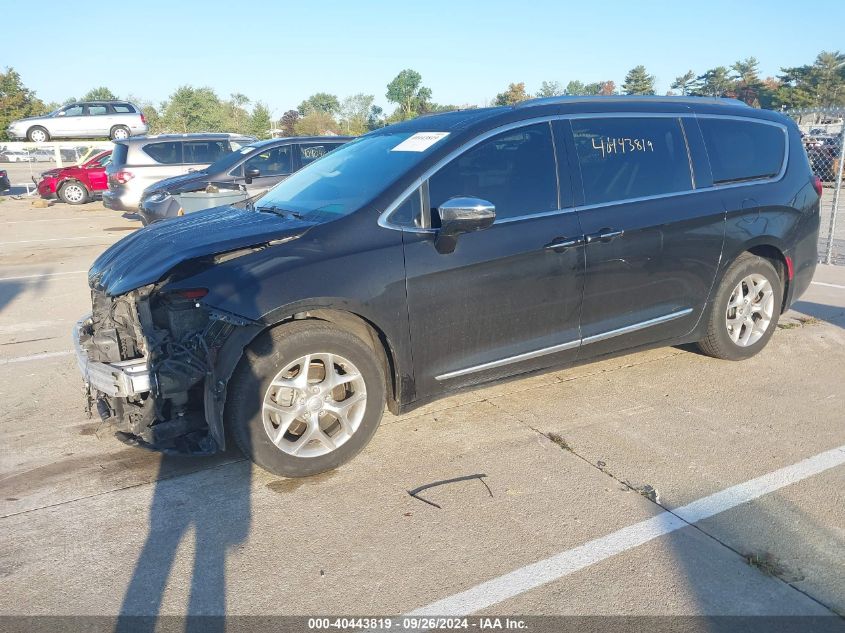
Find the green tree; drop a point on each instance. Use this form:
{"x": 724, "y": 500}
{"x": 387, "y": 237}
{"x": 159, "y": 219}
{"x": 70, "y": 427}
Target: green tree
{"x": 716, "y": 82}
{"x": 820, "y": 85}
{"x": 575, "y": 88}
{"x": 149, "y": 111}
{"x": 240, "y": 120}
{"x": 375, "y": 118}
{"x": 684, "y": 82}
{"x": 747, "y": 80}
{"x": 288, "y": 122}
{"x": 316, "y": 123}
{"x": 550, "y": 89}
{"x": 16, "y": 100}
{"x": 514, "y": 94}
{"x": 260, "y": 121}
{"x": 355, "y": 112}
{"x": 99, "y": 94}
{"x": 406, "y": 90}
{"x": 638, "y": 82}
{"x": 192, "y": 109}
{"x": 320, "y": 102}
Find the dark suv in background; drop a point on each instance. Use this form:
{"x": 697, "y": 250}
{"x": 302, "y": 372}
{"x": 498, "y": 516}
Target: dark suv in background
{"x": 138, "y": 162}
{"x": 448, "y": 251}
{"x": 255, "y": 167}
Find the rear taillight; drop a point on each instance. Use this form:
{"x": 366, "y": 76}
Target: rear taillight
{"x": 190, "y": 293}
{"x": 2, "y": 173}
{"x": 123, "y": 177}
{"x": 143, "y": 119}
{"x": 817, "y": 185}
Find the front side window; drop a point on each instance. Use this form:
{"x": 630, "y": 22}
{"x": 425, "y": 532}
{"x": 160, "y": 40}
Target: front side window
{"x": 623, "y": 158}
{"x": 271, "y": 162}
{"x": 75, "y": 110}
{"x": 199, "y": 152}
{"x": 166, "y": 153}
{"x": 514, "y": 170}
{"x": 742, "y": 150}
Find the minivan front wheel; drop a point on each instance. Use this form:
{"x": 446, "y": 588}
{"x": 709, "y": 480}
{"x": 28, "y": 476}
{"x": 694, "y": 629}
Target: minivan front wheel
{"x": 37, "y": 134}
{"x": 745, "y": 311}
{"x": 305, "y": 398}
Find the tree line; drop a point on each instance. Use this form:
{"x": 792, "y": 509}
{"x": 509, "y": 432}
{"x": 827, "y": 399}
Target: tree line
{"x": 199, "y": 109}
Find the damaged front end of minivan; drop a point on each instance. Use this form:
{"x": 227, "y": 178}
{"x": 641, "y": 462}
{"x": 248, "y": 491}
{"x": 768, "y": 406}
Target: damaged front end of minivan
{"x": 151, "y": 358}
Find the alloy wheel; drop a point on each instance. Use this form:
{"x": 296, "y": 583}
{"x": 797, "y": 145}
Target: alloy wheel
{"x": 74, "y": 193}
{"x": 750, "y": 310}
{"x": 314, "y": 405}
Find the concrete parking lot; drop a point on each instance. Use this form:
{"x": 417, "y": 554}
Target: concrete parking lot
{"x": 662, "y": 482}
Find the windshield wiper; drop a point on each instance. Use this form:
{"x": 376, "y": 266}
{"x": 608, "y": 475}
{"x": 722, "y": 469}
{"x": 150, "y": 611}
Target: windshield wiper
{"x": 282, "y": 212}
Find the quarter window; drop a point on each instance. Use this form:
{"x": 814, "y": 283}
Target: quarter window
{"x": 624, "y": 158}
{"x": 121, "y": 108}
{"x": 742, "y": 150}
{"x": 514, "y": 170}
{"x": 169, "y": 153}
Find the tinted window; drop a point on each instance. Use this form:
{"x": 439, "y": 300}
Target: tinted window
{"x": 625, "y": 158}
{"x": 742, "y": 150}
{"x": 169, "y": 153}
{"x": 119, "y": 154}
{"x": 271, "y": 162}
{"x": 312, "y": 151}
{"x": 514, "y": 170}
{"x": 204, "y": 151}
{"x": 96, "y": 110}
{"x": 122, "y": 108}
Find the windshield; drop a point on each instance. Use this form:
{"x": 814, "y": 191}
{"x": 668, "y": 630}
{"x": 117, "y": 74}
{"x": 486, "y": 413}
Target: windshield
{"x": 227, "y": 161}
{"x": 345, "y": 179}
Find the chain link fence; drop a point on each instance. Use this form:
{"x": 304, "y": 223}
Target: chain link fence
{"x": 823, "y": 134}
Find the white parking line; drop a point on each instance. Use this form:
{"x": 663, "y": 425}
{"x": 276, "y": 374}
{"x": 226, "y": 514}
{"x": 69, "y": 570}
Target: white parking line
{"x": 56, "y": 239}
{"x": 532, "y": 576}
{"x": 23, "y": 359}
{"x": 822, "y": 283}
{"x": 53, "y": 219}
{"x": 70, "y": 272}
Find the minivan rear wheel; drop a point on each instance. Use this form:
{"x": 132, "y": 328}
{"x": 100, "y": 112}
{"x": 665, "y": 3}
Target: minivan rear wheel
{"x": 119, "y": 132}
{"x": 305, "y": 398}
{"x": 745, "y": 311}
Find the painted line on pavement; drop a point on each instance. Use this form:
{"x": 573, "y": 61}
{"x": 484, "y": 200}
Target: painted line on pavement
{"x": 56, "y": 239}
{"x": 822, "y": 283}
{"x": 23, "y": 359}
{"x": 531, "y": 576}
{"x": 70, "y": 272}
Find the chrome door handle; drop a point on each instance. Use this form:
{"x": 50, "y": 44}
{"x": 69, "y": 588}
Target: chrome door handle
{"x": 560, "y": 244}
{"x": 605, "y": 235}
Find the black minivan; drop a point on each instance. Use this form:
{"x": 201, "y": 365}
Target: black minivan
{"x": 444, "y": 252}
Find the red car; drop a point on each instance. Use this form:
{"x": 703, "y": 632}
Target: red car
{"x": 76, "y": 184}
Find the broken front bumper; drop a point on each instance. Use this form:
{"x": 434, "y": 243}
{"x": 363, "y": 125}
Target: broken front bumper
{"x": 120, "y": 380}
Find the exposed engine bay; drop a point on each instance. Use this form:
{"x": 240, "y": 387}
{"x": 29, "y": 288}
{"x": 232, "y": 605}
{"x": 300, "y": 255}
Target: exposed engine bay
{"x": 165, "y": 342}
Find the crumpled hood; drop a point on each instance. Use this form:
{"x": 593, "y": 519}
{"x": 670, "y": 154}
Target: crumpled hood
{"x": 174, "y": 184}
{"x": 150, "y": 253}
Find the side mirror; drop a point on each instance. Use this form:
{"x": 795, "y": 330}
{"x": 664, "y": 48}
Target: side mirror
{"x": 249, "y": 174}
{"x": 462, "y": 215}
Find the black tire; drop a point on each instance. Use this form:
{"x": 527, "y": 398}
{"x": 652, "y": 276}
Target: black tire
{"x": 34, "y": 131}
{"x": 73, "y": 192}
{"x": 263, "y": 359}
{"x": 717, "y": 342}
{"x": 118, "y": 132}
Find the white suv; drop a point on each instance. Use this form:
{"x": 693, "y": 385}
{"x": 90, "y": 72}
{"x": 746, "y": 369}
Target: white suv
{"x": 91, "y": 119}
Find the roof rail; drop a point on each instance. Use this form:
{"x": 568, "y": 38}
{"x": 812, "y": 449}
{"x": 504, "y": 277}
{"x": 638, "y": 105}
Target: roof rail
{"x": 725, "y": 101}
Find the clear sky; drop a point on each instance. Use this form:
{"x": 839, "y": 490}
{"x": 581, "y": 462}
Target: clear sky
{"x": 281, "y": 52}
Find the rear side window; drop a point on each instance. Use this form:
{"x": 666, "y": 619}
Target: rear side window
{"x": 169, "y": 153}
{"x": 514, "y": 170}
{"x": 312, "y": 151}
{"x": 198, "y": 152}
{"x": 122, "y": 108}
{"x": 624, "y": 158}
{"x": 743, "y": 150}
{"x": 97, "y": 110}
{"x": 119, "y": 154}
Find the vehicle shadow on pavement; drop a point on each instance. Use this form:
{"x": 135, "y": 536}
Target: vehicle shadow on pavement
{"x": 834, "y": 315}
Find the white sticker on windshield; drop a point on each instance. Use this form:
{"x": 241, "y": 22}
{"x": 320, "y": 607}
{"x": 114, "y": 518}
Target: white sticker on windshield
{"x": 419, "y": 142}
